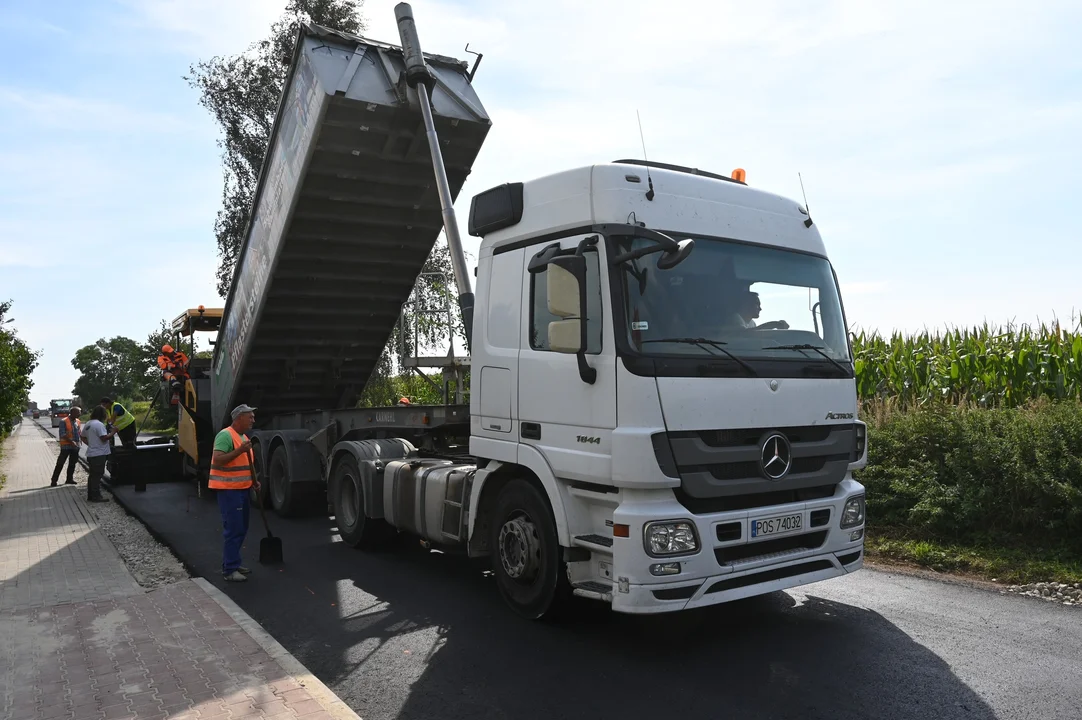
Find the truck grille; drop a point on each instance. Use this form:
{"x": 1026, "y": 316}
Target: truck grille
{"x": 714, "y": 464}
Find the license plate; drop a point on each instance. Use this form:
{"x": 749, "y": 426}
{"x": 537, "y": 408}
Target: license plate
{"x": 777, "y": 525}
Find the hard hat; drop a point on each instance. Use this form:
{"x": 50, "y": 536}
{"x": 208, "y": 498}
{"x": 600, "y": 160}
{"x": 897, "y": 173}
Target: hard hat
{"x": 167, "y": 349}
{"x": 404, "y": 401}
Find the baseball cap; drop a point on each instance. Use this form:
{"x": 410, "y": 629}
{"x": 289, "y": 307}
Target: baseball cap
{"x": 242, "y": 408}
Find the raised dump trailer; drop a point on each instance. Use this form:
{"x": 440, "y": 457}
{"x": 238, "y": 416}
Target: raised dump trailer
{"x": 345, "y": 215}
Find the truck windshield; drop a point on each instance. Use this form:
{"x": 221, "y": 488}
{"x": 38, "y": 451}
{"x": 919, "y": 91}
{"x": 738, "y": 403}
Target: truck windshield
{"x": 760, "y": 302}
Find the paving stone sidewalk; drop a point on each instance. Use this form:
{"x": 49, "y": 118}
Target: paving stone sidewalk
{"x": 79, "y": 639}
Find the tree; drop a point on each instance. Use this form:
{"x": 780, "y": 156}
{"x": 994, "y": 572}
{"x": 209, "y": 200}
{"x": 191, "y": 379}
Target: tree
{"x": 17, "y": 364}
{"x": 114, "y": 368}
{"x": 242, "y": 93}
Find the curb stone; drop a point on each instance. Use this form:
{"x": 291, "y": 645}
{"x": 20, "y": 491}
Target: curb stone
{"x": 320, "y": 692}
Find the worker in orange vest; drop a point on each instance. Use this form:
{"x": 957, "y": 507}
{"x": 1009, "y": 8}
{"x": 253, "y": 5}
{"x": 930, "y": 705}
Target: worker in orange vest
{"x": 70, "y": 429}
{"x": 231, "y": 476}
{"x": 174, "y": 367}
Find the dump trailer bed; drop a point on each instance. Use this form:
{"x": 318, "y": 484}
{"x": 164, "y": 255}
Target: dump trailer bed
{"x": 345, "y": 215}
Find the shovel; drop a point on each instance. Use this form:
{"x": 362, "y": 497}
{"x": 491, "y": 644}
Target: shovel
{"x": 270, "y": 547}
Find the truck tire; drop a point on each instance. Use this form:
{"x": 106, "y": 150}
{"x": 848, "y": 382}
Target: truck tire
{"x": 526, "y": 556}
{"x": 283, "y": 498}
{"x": 355, "y": 528}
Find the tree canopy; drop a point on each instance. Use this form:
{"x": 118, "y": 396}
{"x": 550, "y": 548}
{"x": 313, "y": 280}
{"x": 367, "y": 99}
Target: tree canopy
{"x": 115, "y": 368}
{"x": 17, "y": 364}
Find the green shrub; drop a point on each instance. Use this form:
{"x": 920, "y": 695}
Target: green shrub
{"x": 977, "y": 475}
{"x": 161, "y": 419}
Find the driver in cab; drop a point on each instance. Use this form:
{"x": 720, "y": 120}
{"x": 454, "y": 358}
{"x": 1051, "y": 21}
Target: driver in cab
{"x": 748, "y": 309}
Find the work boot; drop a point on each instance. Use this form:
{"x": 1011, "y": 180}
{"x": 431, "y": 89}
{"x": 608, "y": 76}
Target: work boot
{"x": 244, "y": 570}
{"x": 235, "y": 576}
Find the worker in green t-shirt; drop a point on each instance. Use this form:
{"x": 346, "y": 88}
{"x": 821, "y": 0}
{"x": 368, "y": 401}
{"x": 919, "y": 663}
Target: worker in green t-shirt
{"x": 231, "y": 477}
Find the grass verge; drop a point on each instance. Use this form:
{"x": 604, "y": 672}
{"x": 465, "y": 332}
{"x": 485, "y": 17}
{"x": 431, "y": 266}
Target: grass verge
{"x": 157, "y": 422}
{"x": 3, "y": 477}
{"x": 1010, "y": 565}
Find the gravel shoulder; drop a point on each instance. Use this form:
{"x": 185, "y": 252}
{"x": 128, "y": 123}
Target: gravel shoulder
{"x": 151, "y": 563}
{"x": 1066, "y": 594}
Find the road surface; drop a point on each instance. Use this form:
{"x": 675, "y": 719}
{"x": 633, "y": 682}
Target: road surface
{"x": 416, "y": 634}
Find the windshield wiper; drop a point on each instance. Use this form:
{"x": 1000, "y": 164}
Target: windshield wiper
{"x": 703, "y": 342}
{"x": 817, "y": 348}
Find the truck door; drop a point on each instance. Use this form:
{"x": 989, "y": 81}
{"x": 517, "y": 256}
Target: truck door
{"x": 569, "y": 420}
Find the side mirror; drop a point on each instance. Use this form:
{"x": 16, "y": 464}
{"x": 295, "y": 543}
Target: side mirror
{"x": 565, "y": 283}
{"x": 671, "y": 258}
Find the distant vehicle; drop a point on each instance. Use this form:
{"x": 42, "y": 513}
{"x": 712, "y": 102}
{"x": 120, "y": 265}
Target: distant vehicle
{"x": 37, "y": 414}
{"x": 58, "y": 410}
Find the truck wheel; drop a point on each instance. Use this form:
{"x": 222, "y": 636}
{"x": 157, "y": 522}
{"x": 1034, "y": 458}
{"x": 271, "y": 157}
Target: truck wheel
{"x": 356, "y": 529}
{"x": 526, "y": 558}
{"x": 282, "y": 497}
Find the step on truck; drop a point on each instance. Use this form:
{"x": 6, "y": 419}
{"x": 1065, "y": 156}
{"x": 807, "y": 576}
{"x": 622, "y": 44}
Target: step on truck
{"x": 635, "y": 433}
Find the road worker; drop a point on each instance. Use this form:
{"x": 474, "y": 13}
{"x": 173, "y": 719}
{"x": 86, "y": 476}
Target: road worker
{"x": 231, "y": 476}
{"x": 70, "y": 437}
{"x": 174, "y": 367}
{"x": 121, "y": 420}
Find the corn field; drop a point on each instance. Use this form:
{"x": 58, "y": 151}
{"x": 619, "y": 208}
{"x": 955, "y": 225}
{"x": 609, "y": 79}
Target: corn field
{"x": 985, "y": 366}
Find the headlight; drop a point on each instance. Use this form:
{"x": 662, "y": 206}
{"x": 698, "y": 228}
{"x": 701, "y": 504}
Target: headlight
{"x": 853, "y": 513}
{"x": 670, "y": 537}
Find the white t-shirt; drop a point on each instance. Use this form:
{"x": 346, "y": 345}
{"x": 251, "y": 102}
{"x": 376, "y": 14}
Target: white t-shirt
{"x": 94, "y": 431}
{"x": 739, "y": 319}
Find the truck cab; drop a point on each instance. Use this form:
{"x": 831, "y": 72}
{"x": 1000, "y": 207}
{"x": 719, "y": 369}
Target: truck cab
{"x": 58, "y": 410}
{"x": 691, "y": 452}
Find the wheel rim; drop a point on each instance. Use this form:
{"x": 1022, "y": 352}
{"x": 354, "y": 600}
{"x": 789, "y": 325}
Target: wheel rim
{"x": 278, "y": 479}
{"x": 520, "y": 548}
{"x": 349, "y": 504}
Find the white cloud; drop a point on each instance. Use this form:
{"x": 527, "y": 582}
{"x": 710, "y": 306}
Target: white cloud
{"x": 42, "y": 110}
{"x": 203, "y": 28}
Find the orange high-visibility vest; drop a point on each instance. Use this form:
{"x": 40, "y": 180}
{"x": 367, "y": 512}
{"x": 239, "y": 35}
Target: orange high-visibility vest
{"x": 233, "y": 475}
{"x": 68, "y": 440}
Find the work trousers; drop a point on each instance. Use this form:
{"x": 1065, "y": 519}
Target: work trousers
{"x": 128, "y": 435}
{"x": 69, "y": 456}
{"x": 234, "y": 506}
{"x": 97, "y": 470}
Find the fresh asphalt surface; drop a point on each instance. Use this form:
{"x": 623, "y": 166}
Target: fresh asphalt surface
{"x": 413, "y": 634}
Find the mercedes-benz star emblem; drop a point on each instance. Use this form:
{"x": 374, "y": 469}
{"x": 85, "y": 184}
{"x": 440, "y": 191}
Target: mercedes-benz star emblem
{"x": 776, "y": 457}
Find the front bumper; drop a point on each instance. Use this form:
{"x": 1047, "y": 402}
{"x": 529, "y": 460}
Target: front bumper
{"x": 730, "y": 569}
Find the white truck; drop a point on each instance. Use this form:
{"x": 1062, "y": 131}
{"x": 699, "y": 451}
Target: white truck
{"x": 632, "y": 435}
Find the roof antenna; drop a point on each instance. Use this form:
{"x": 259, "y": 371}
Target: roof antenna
{"x": 649, "y": 180}
{"x": 808, "y": 222}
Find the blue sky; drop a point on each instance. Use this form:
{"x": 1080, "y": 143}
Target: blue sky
{"x": 939, "y": 143}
